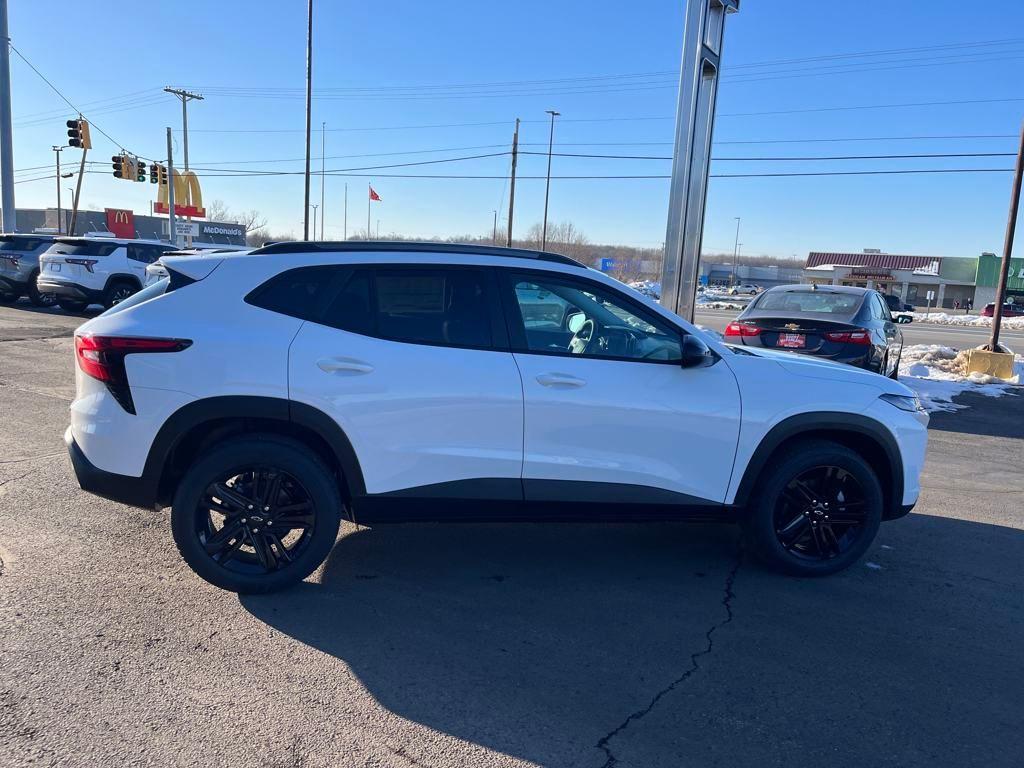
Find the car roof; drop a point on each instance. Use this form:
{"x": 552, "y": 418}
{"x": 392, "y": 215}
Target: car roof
{"x": 363, "y": 246}
{"x": 811, "y": 288}
{"x": 118, "y": 240}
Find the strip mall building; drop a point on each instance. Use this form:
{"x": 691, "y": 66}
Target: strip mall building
{"x": 950, "y": 279}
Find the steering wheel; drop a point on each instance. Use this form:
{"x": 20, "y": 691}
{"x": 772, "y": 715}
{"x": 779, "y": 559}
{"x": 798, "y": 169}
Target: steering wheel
{"x": 581, "y": 339}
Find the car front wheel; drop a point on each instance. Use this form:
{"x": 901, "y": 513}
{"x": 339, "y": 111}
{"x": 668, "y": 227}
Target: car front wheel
{"x": 256, "y": 514}
{"x": 816, "y": 511}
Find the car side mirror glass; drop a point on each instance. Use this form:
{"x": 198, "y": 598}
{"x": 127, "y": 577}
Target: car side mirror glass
{"x": 904, "y": 319}
{"x": 695, "y": 353}
{"x": 575, "y": 322}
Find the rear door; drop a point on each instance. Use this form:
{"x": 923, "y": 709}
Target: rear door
{"x": 611, "y": 416}
{"x": 413, "y": 363}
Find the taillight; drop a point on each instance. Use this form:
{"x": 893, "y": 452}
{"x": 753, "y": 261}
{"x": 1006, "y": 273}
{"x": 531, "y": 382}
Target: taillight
{"x": 87, "y": 263}
{"x": 742, "y": 329}
{"x": 858, "y": 336}
{"x": 102, "y": 358}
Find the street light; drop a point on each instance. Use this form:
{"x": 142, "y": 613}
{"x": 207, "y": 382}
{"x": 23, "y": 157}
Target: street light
{"x": 547, "y": 185}
{"x": 314, "y": 206}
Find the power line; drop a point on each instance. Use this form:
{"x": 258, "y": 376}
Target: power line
{"x": 792, "y": 158}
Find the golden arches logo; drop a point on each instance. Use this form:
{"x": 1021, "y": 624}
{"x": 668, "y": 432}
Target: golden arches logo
{"x": 188, "y": 196}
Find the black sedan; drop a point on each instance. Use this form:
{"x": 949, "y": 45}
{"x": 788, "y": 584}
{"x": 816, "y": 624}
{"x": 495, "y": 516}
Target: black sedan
{"x": 840, "y": 323}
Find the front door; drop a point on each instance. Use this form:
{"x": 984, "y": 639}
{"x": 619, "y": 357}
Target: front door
{"x": 610, "y": 415}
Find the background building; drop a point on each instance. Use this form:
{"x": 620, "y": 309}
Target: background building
{"x": 126, "y": 223}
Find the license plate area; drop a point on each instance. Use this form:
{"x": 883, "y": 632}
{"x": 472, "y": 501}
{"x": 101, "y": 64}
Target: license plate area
{"x": 792, "y": 340}
{"x": 54, "y": 267}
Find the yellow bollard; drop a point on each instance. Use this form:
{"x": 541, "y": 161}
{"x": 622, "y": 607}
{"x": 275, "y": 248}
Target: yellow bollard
{"x": 998, "y": 364}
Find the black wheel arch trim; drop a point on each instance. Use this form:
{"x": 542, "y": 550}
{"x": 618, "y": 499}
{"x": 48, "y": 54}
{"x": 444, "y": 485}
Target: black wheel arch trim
{"x": 829, "y": 421}
{"x": 121, "y": 277}
{"x": 194, "y": 414}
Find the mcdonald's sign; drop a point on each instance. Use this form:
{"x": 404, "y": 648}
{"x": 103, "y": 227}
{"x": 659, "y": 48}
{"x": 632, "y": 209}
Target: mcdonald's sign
{"x": 121, "y": 222}
{"x": 188, "y": 197}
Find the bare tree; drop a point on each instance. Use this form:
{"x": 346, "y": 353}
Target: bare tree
{"x": 217, "y": 210}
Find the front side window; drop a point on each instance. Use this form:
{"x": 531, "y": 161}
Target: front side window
{"x": 590, "y": 321}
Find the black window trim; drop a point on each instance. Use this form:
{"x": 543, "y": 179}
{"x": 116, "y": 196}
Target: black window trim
{"x": 517, "y": 327}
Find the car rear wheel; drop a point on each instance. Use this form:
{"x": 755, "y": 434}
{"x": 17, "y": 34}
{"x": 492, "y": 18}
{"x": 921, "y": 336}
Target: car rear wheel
{"x": 816, "y": 511}
{"x": 39, "y": 299}
{"x": 70, "y": 305}
{"x": 256, "y": 514}
{"x": 118, "y": 292}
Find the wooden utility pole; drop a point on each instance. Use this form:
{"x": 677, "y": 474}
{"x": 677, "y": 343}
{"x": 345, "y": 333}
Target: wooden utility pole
{"x": 78, "y": 194}
{"x": 1011, "y": 228}
{"x": 512, "y": 186}
{"x": 309, "y": 108}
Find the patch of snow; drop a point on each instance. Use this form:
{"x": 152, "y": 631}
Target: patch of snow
{"x": 973, "y": 321}
{"x": 938, "y": 374}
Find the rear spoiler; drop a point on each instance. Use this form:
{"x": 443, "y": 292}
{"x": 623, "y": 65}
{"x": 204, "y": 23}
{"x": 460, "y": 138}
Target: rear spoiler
{"x": 192, "y": 267}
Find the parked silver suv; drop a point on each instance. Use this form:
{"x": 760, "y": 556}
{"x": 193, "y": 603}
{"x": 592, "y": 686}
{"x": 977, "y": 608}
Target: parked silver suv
{"x": 19, "y": 267}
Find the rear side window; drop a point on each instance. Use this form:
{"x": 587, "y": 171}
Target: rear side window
{"x": 147, "y": 254}
{"x": 298, "y": 292}
{"x": 84, "y": 248}
{"x": 443, "y": 307}
{"x": 822, "y": 302}
{"x": 24, "y": 244}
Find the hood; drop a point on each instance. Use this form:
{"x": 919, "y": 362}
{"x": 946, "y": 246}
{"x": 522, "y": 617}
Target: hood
{"x": 818, "y": 368}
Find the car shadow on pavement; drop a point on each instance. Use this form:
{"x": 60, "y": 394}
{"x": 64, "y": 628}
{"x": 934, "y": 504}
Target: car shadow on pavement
{"x": 581, "y": 645}
{"x": 1002, "y": 417}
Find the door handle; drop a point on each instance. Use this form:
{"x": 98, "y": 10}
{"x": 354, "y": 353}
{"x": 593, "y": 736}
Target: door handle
{"x": 560, "y": 381}
{"x": 342, "y": 365}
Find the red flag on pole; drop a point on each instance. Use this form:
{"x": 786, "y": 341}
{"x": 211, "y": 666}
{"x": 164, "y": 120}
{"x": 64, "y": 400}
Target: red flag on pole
{"x": 374, "y": 195}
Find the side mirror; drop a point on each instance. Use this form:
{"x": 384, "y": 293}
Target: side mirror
{"x": 904, "y": 319}
{"x": 575, "y": 321}
{"x": 695, "y": 353}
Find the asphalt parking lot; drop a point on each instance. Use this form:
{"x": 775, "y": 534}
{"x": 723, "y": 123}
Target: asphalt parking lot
{"x": 498, "y": 645}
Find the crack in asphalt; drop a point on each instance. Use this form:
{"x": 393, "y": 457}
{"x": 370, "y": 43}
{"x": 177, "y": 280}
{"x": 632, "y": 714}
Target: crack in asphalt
{"x": 727, "y": 598}
{"x": 19, "y": 477}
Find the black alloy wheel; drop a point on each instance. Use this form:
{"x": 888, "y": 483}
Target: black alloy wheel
{"x": 820, "y": 514}
{"x": 256, "y": 514}
{"x": 815, "y": 510}
{"x": 117, "y": 293}
{"x": 39, "y": 299}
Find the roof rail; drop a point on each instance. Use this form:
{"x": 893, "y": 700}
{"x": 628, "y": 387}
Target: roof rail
{"x": 398, "y": 245}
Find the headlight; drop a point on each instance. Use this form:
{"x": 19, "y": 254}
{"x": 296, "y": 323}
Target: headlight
{"x": 910, "y": 403}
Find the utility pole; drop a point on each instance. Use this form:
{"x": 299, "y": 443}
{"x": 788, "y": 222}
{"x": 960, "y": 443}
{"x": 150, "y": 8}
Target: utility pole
{"x": 323, "y": 176}
{"x": 345, "y": 230}
{"x": 735, "y": 250}
{"x": 1011, "y": 228}
{"x": 60, "y": 217}
{"x": 7, "y": 208}
{"x": 309, "y": 112}
{"x": 171, "y": 224}
{"x": 378, "y": 229}
{"x": 78, "y": 191}
{"x": 547, "y": 185}
{"x": 494, "y": 233}
{"x": 703, "y": 34}
{"x": 369, "y": 199}
{"x": 512, "y": 186}
{"x": 185, "y": 97}
{"x": 314, "y": 206}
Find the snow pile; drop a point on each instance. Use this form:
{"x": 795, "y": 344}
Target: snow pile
{"x": 974, "y": 321}
{"x": 937, "y": 374}
{"x": 650, "y": 288}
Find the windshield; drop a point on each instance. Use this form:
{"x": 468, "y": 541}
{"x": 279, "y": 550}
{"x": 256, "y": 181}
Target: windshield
{"x": 83, "y": 248}
{"x": 19, "y": 243}
{"x": 820, "y": 302}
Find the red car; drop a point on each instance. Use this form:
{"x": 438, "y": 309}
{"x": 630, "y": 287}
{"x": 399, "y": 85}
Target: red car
{"x": 1009, "y": 310}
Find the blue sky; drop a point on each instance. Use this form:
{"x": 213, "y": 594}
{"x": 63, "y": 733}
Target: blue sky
{"x": 248, "y": 59}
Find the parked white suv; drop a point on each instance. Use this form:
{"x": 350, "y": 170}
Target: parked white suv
{"x": 265, "y": 397}
{"x": 96, "y": 270}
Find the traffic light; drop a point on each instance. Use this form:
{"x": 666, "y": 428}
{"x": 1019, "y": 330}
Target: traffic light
{"x": 120, "y": 164}
{"x": 154, "y": 173}
{"x": 140, "y": 170}
{"x": 78, "y": 134}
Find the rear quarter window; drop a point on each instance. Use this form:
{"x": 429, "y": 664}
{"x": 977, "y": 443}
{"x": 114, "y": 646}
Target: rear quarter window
{"x": 84, "y": 249}
{"x": 23, "y": 244}
{"x": 299, "y": 293}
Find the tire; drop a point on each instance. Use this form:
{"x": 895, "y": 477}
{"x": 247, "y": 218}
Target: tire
{"x": 782, "y": 524}
{"x": 72, "y": 306}
{"x": 118, "y": 291}
{"x": 8, "y": 298}
{"x": 235, "y": 563}
{"x": 39, "y": 299}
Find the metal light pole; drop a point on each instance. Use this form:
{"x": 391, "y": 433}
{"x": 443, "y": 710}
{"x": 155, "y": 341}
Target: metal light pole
{"x": 695, "y": 117}
{"x": 323, "y": 177}
{"x": 185, "y": 97}
{"x": 512, "y": 185}
{"x": 1011, "y": 228}
{"x": 314, "y": 206}
{"x": 309, "y": 108}
{"x": 171, "y": 221}
{"x": 736, "y": 251}
{"x": 345, "y": 230}
{"x": 547, "y": 184}
{"x": 494, "y": 232}
{"x": 60, "y": 217}
{"x": 7, "y": 209}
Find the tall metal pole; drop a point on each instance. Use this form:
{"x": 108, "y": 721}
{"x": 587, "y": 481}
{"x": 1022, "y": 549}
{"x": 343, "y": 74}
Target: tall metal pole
{"x": 185, "y": 97}
{"x": 512, "y": 185}
{"x": 309, "y": 113}
{"x": 345, "y": 230}
{"x": 171, "y": 223}
{"x": 315, "y": 206}
{"x": 494, "y": 232}
{"x": 695, "y": 117}
{"x": 7, "y": 208}
{"x": 1011, "y": 228}
{"x": 323, "y": 177}
{"x": 735, "y": 251}
{"x": 547, "y": 185}
{"x": 78, "y": 194}
{"x": 60, "y": 216}
{"x": 369, "y": 199}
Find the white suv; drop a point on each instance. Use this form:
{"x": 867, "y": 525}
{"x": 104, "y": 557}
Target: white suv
{"x": 265, "y": 397}
{"x": 96, "y": 270}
